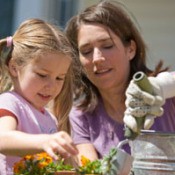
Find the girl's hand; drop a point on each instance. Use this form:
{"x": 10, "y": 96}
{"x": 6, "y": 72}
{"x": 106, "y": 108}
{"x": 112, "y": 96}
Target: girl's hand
{"x": 60, "y": 144}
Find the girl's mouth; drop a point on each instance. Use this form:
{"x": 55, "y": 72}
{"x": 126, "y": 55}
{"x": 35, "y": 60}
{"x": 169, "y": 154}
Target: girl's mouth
{"x": 45, "y": 97}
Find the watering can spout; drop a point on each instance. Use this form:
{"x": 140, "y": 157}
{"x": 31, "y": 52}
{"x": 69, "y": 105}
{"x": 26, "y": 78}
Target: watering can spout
{"x": 125, "y": 160}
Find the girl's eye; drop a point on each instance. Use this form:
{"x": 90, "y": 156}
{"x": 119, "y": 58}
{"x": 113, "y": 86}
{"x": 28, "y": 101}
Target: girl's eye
{"x": 42, "y": 75}
{"x": 60, "y": 78}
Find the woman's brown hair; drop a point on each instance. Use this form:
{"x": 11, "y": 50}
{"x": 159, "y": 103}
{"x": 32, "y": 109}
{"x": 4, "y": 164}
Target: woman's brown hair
{"x": 114, "y": 16}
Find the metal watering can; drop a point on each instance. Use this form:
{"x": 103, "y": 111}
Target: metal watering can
{"x": 125, "y": 160}
{"x": 154, "y": 153}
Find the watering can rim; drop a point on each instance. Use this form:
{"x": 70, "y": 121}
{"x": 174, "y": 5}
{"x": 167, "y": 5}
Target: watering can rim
{"x": 153, "y": 132}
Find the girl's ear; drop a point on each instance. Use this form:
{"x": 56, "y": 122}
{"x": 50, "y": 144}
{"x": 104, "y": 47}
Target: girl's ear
{"x": 12, "y": 68}
{"x": 132, "y": 50}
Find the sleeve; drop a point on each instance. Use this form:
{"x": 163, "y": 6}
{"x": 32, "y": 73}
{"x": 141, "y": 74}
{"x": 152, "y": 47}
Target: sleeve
{"x": 8, "y": 107}
{"x": 5, "y": 112}
{"x": 79, "y": 126}
{"x": 166, "y": 81}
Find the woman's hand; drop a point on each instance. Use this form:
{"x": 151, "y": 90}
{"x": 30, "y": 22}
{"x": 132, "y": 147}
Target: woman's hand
{"x": 142, "y": 104}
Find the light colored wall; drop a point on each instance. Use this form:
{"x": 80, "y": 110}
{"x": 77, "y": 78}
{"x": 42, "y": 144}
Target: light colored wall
{"x": 157, "y": 22}
{"x": 156, "y": 19}
{"x": 25, "y": 9}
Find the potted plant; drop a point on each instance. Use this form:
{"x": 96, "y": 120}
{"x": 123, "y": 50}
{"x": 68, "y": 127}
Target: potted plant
{"x": 89, "y": 167}
{"x": 106, "y": 166}
{"x": 42, "y": 164}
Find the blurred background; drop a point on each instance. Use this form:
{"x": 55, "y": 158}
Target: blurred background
{"x": 156, "y": 19}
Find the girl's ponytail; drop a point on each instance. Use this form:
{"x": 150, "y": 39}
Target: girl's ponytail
{"x": 6, "y": 47}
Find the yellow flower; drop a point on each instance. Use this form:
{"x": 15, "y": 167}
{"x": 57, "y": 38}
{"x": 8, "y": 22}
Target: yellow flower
{"x": 84, "y": 160}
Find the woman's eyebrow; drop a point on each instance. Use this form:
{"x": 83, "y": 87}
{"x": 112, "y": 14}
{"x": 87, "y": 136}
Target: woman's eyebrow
{"x": 99, "y": 40}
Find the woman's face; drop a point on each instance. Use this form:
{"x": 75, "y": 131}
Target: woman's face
{"x": 104, "y": 57}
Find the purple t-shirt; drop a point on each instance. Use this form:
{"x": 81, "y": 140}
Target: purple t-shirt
{"x": 104, "y": 133}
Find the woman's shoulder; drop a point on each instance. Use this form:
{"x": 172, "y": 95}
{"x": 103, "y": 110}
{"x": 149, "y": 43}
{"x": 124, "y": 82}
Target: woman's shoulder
{"x": 77, "y": 112}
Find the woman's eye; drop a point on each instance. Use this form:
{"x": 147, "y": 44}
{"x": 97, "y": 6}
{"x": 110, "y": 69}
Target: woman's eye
{"x": 108, "y": 46}
{"x": 85, "y": 52}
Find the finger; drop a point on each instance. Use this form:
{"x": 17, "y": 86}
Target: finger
{"x": 147, "y": 98}
{"x": 133, "y": 89}
{"x": 139, "y": 111}
{"x": 130, "y": 121}
{"x": 145, "y": 110}
{"x": 159, "y": 101}
{"x": 155, "y": 110}
{"x": 149, "y": 121}
{"x": 133, "y": 102}
{"x": 63, "y": 152}
{"x": 52, "y": 153}
{"x": 66, "y": 142}
{"x": 135, "y": 92}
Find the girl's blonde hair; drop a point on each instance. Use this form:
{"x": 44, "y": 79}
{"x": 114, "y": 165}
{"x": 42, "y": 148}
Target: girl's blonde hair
{"x": 33, "y": 38}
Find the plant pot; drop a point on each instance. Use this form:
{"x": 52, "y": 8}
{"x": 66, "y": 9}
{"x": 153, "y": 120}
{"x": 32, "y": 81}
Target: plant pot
{"x": 65, "y": 173}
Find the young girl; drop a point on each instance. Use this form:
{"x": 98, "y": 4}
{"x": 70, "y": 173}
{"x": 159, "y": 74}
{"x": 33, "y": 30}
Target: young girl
{"x": 35, "y": 69}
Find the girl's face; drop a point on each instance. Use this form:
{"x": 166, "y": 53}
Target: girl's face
{"x": 42, "y": 79}
{"x": 105, "y": 59}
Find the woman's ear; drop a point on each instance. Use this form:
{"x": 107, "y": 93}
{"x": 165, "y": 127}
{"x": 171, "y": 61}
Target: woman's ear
{"x": 12, "y": 68}
{"x": 132, "y": 50}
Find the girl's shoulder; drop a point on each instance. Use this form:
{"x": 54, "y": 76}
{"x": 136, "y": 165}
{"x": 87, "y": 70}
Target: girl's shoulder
{"x": 11, "y": 101}
{"x": 8, "y": 98}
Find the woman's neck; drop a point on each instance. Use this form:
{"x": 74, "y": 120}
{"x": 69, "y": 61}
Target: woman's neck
{"x": 114, "y": 103}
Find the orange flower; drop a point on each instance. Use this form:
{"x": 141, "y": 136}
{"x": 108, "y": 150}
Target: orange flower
{"x": 18, "y": 166}
{"x": 84, "y": 160}
{"x": 42, "y": 164}
{"x": 38, "y": 164}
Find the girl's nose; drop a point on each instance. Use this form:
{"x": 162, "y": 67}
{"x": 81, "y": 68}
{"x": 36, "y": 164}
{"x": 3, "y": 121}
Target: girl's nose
{"x": 50, "y": 84}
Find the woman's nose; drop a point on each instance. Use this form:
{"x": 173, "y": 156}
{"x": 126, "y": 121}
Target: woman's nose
{"x": 97, "y": 55}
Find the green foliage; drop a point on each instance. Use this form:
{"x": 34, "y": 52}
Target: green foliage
{"x": 92, "y": 167}
{"x": 109, "y": 163}
{"x": 106, "y": 166}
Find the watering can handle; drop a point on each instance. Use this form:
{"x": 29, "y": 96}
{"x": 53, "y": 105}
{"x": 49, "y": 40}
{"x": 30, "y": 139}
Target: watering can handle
{"x": 142, "y": 81}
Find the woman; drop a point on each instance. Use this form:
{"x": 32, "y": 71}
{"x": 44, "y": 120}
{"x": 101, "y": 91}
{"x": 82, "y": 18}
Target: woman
{"x": 109, "y": 51}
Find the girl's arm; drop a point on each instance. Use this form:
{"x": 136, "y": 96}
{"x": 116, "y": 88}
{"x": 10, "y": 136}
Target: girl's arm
{"x": 18, "y": 143}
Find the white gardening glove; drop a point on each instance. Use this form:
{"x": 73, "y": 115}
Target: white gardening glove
{"x": 142, "y": 104}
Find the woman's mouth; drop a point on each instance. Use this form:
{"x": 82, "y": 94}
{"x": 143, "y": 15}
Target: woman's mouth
{"x": 102, "y": 71}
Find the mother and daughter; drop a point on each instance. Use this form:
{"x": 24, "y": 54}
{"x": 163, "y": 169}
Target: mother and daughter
{"x": 37, "y": 69}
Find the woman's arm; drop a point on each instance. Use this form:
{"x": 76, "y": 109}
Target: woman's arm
{"x": 87, "y": 150}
